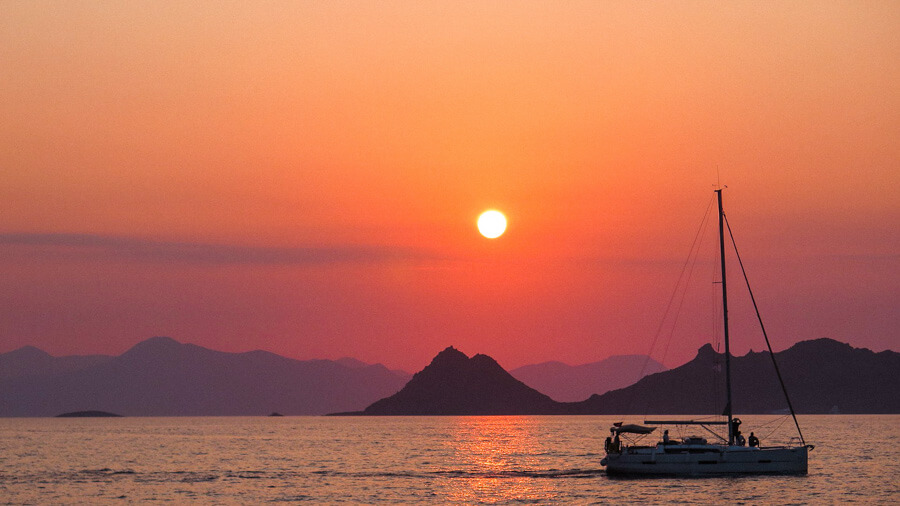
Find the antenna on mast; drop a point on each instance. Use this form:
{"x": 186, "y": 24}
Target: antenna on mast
{"x": 719, "y": 184}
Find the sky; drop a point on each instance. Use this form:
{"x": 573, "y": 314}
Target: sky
{"x": 305, "y": 177}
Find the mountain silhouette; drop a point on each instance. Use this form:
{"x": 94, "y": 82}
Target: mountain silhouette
{"x": 30, "y": 361}
{"x": 567, "y": 383}
{"x": 162, "y": 377}
{"x": 454, "y": 384}
{"x": 821, "y": 375}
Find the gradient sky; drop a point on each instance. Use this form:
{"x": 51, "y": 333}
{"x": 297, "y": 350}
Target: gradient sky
{"x": 304, "y": 177}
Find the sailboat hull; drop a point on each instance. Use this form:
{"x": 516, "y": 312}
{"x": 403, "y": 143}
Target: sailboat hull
{"x": 701, "y": 460}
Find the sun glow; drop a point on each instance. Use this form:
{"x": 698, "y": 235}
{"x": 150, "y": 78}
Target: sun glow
{"x": 492, "y": 224}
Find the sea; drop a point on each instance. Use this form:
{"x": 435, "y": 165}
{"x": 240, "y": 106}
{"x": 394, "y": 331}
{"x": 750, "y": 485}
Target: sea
{"x": 441, "y": 460}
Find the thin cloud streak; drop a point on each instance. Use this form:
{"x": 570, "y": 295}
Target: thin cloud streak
{"x": 90, "y": 247}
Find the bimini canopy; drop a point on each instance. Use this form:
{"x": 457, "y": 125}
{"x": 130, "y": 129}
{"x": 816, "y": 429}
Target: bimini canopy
{"x": 632, "y": 428}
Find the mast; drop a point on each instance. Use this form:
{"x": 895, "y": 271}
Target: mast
{"x": 728, "y": 411}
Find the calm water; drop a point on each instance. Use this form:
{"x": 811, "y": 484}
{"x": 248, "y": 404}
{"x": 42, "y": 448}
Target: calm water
{"x": 497, "y": 460}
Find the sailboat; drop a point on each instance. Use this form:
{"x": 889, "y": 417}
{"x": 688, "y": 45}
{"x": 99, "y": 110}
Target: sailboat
{"x": 696, "y": 456}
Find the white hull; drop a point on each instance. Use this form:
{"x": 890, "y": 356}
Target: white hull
{"x": 707, "y": 459}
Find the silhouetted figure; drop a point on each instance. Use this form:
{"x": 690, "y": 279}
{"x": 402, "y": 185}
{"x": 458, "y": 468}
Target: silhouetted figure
{"x": 753, "y": 440}
{"x": 666, "y": 437}
{"x": 736, "y": 431}
{"x": 740, "y": 440}
{"x": 617, "y": 444}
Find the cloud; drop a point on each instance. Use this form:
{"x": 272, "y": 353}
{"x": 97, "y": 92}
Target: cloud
{"x": 91, "y": 246}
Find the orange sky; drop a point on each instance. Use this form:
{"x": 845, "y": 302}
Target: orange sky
{"x": 304, "y": 177}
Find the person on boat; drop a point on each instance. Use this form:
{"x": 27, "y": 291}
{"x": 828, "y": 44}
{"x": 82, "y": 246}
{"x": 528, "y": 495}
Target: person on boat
{"x": 753, "y": 440}
{"x": 736, "y": 431}
{"x": 617, "y": 445}
{"x": 666, "y": 437}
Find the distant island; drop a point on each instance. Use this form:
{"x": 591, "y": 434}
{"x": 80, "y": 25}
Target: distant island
{"x": 88, "y": 414}
{"x": 822, "y": 376}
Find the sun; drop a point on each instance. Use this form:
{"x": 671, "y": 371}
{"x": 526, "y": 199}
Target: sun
{"x": 492, "y": 224}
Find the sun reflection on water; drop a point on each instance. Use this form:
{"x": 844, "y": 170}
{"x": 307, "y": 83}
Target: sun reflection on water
{"x": 495, "y": 460}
